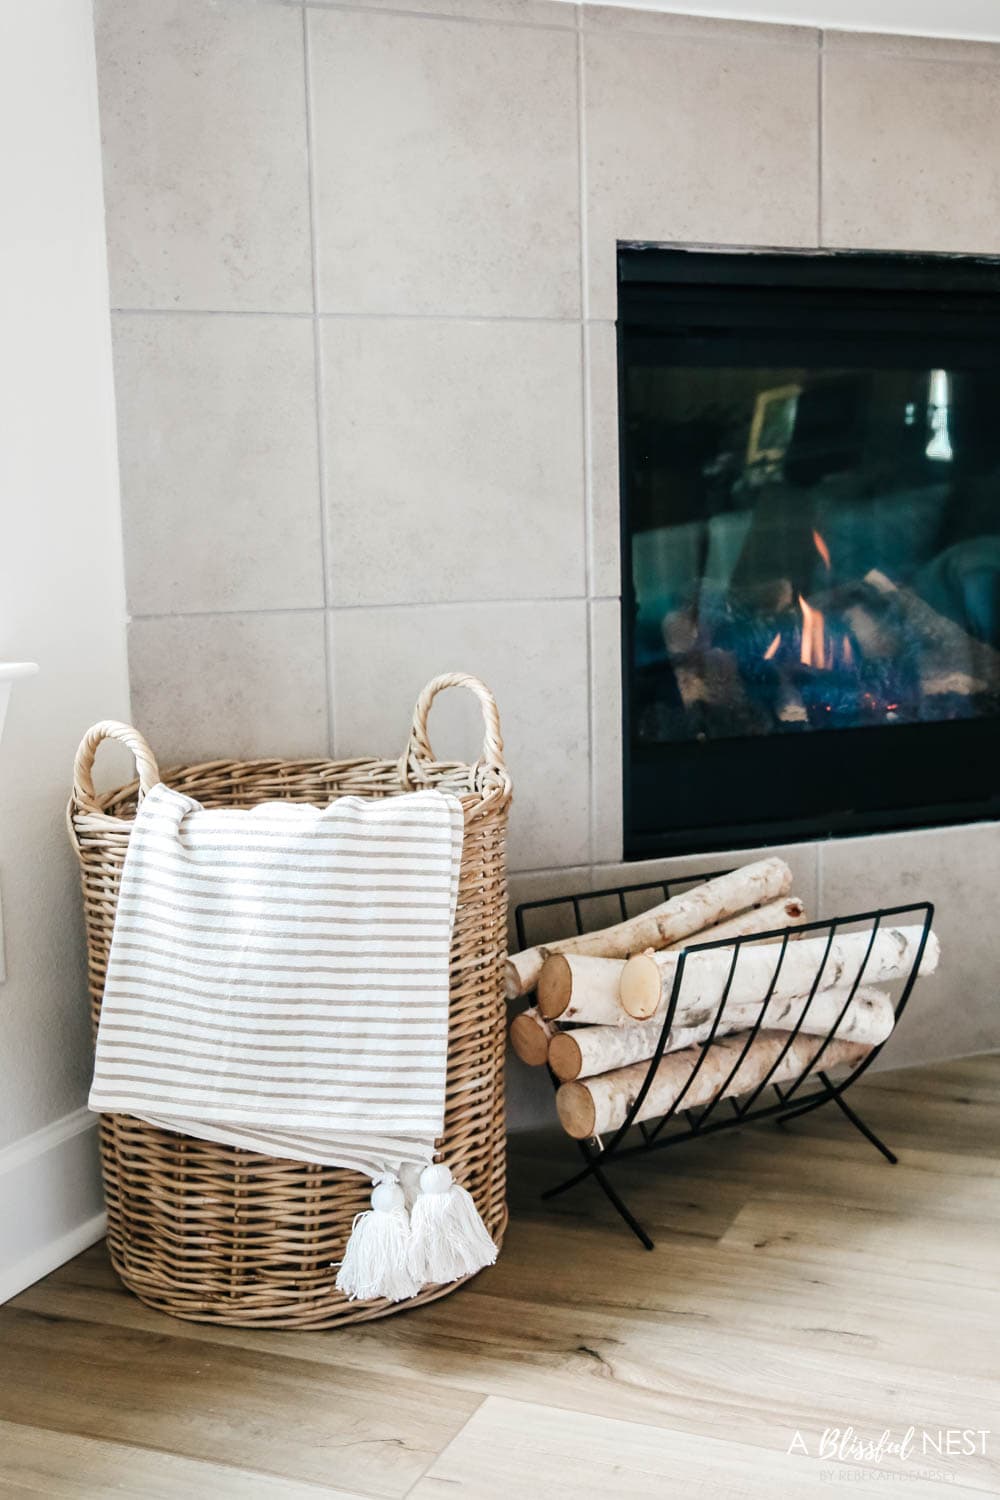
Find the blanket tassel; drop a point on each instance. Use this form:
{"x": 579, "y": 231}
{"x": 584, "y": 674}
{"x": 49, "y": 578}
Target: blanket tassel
{"x": 448, "y": 1239}
{"x": 375, "y": 1259}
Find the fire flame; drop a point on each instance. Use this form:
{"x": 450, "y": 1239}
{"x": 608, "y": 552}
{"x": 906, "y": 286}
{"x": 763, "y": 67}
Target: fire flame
{"x": 815, "y": 650}
{"x": 822, "y": 548}
{"x": 818, "y": 646}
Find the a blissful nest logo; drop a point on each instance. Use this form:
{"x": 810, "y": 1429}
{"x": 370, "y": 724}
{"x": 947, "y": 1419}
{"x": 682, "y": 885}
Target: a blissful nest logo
{"x": 915, "y": 1445}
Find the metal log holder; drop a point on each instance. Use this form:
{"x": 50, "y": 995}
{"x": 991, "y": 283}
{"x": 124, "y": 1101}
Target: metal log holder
{"x": 535, "y": 922}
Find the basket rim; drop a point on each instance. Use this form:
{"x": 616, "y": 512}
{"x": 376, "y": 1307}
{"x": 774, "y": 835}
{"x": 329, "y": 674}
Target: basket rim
{"x": 494, "y": 792}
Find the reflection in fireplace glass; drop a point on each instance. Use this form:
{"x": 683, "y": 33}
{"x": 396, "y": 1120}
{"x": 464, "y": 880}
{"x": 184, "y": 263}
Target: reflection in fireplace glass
{"x": 813, "y": 548}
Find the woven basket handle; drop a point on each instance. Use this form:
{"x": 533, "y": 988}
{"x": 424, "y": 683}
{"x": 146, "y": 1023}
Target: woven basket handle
{"x": 418, "y": 751}
{"x": 110, "y": 729}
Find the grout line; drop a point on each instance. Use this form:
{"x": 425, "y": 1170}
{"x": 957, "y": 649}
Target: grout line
{"x": 819, "y": 139}
{"x": 581, "y": 148}
{"x": 135, "y": 616}
{"x": 588, "y": 524}
{"x": 375, "y": 317}
{"x": 591, "y": 731}
{"x": 318, "y": 384}
{"x": 340, "y": 609}
{"x": 588, "y": 556}
{"x": 329, "y": 647}
{"x": 547, "y": 870}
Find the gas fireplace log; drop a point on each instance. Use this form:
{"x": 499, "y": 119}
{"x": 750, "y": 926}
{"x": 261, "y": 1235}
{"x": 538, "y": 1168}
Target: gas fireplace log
{"x": 647, "y": 980}
{"x": 597, "y": 1105}
{"x": 702, "y": 906}
{"x": 867, "y": 1018}
{"x": 790, "y": 707}
{"x": 530, "y": 1037}
{"x": 951, "y": 653}
{"x": 584, "y": 988}
{"x": 713, "y": 691}
{"x": 870, "y": 632}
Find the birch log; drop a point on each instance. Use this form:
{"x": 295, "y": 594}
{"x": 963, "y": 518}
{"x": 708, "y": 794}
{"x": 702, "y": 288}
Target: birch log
{"x": 788, "y": 912}
{"x": 647, "y": 980}
{"x": 577, "y": 987}
{"x": 868, "y": 1018}
{"x": 600, "y": 1104}
{"x": 702, "y": 906}
{"x": 530, "y": 1036}
{"x": 585, "y": 989}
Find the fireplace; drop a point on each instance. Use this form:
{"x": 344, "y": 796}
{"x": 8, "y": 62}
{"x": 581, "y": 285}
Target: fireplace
{"x": 810, "y": 475}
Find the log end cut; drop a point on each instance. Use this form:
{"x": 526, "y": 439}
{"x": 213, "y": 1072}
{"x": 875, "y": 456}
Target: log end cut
{"x": 564, "y": 1056}
{"x": 529, "y": 1040}
{"x": 576, "y": 1110}
{"x": 555, "y": 986}
{"x": 639, "y": 987}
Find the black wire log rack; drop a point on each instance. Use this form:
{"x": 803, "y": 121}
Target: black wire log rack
{"x": 563, "y": 916}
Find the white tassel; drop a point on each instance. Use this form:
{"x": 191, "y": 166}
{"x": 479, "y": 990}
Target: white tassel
{"x": 448, "y": 1239}
{"x": 375, "y": 1260}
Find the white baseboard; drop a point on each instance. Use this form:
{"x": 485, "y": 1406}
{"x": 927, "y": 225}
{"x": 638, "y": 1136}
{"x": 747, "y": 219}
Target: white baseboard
{"x": 51, "y": 1203}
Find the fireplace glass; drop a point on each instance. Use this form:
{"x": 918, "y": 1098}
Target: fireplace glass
{"x": 810, "y": 453}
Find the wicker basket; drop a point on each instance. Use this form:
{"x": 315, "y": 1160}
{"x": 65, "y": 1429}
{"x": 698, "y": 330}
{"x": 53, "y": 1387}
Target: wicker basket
{"x": 220, "y": 1235}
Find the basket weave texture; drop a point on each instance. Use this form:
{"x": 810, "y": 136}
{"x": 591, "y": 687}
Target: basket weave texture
{"x": 216, "y": 1234}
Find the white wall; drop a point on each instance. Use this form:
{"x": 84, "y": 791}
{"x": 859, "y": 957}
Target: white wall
{"x": 61, "y": 603}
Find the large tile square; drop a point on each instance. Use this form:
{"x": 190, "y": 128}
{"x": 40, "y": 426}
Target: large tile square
{"x": 957, "y": 1010}
{"x": 534, "y": 658}
{"x": 911, "y": 145}
{"x": 205, "y": 174}
{"x": 709, "y": 138}
{"x": 454, "y": 460}
{"x": 210, "y": 687}
{"x": 446, "y": 166}
{"x": 219, "y": 465}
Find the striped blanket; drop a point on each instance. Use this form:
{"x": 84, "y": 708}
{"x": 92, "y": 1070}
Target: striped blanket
{"x": 278, "y": 976}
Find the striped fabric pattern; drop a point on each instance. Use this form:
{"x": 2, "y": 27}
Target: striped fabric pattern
{"x": 279, "y": 976}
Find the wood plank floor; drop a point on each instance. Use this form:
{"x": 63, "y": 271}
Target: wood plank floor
{"x": 799, "y": 1284}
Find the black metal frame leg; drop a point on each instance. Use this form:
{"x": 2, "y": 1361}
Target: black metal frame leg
{"x": 835, "y": 1096}
{"x": 865, "y": 1130}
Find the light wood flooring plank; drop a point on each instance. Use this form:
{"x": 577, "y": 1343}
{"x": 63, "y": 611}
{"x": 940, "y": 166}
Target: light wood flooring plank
{"x": 511, "y": 1448}
{"x": 272, "y": 1412}
{"x": 61, "y": 1466}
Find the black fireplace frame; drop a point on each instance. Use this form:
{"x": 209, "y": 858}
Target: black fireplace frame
{"x": 685, "y": 797}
